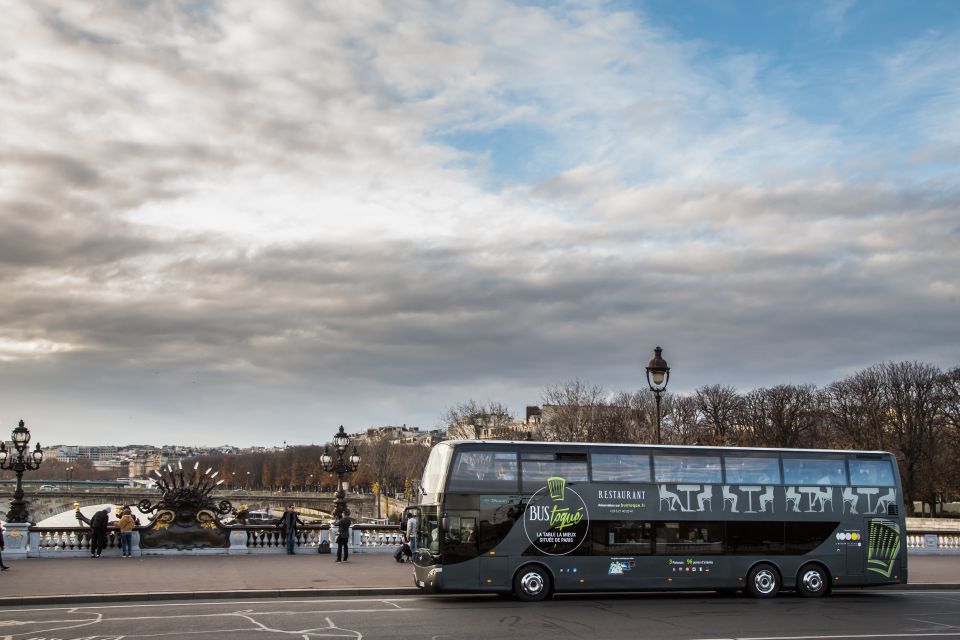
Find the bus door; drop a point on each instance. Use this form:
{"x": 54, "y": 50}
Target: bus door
{"x": 460, "y": 543}
{"x": 498, "y": 516}
{"x": 882, "y": 549}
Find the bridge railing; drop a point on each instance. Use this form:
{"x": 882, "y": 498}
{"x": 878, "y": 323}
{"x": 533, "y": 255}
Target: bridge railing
{"x": 73, "y": 542}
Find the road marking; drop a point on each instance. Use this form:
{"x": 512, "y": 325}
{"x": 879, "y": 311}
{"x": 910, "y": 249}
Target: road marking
{"x": 955, "y": 634}
{"x": 206, "y": 603}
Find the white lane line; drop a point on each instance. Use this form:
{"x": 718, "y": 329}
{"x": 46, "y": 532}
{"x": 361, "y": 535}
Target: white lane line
{"x": 259, "y": 613}
{"x": 833, "y": 637}
{"x": 207, "y": 603}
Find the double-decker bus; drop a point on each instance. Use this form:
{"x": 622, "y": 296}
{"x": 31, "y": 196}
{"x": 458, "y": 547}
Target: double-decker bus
{"x": 535, "y": 518}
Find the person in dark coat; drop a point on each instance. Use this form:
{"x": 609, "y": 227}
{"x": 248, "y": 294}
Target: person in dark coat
{"x": 288, "y": 527}
{"x": 98, "y": 530}
{"x": 343, "y": 536}
{"x": 3, "y": 567}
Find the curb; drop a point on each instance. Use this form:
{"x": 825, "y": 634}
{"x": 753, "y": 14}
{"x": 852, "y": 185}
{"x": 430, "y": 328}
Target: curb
{"x": 161, "y": 596}
{"x": 157, "y": 596}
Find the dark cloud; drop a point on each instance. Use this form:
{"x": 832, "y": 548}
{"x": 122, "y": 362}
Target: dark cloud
{"x": 235, "y": 223}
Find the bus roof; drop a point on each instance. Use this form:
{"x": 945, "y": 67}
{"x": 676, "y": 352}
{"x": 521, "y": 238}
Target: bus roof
{"x": 678, "y": 447}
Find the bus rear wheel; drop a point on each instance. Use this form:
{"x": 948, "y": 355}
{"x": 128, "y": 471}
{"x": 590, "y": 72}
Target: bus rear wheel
{"x": 763, "y": 581}
{"x": 813, "y": 581}
{"x": 532, "y": 583}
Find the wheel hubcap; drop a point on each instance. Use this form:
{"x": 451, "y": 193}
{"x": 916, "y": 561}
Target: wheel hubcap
{"x": 765, "y": 581}
{"x": 532, "y": 583}
{"x": 812, "y": 581}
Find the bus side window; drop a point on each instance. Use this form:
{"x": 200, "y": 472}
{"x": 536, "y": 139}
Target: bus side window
{"x": 871, "y": 473}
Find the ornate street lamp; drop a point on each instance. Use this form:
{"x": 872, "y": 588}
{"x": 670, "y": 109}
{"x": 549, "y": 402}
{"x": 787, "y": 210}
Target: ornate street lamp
{"x": 19, "y": 462}
{"x": 658, "y": 374}
{"x": 341, "y": 466}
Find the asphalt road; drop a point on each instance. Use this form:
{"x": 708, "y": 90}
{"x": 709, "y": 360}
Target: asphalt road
{"x": 862, "y": 615}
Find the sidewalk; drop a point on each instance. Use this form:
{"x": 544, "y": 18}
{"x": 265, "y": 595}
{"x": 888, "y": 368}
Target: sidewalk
{"x": 75, "y": 580}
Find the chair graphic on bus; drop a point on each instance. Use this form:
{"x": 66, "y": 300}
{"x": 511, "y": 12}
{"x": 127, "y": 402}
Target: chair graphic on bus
{"x": 670, "y": 498}
{"x": 824, "y": 495}
{"x": 793, "y": 498}
{"x": 766, "y": 500}
{"x": 886, "y": 501}
{"x": 705, "y": 496}
{"x": 731, "y": 497}
{"x": 850, "y": 499}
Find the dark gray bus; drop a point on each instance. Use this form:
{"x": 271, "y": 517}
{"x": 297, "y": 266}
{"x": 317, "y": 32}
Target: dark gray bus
{"x": 534, "y": 518}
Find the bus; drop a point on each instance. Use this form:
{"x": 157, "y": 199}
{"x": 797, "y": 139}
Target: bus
{"x": 536, "y": 518}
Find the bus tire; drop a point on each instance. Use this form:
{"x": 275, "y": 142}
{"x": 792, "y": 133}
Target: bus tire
{"x": 813, "y": 580}
{"x": 763, "y": 581}
{"x": 532, "y": 583}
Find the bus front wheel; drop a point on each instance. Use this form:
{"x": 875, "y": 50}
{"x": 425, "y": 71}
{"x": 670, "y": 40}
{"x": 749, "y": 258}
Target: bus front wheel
{"x": 532, "y": 583}
{"x": 813, "y": 581}
{"x": 763, "y": 581}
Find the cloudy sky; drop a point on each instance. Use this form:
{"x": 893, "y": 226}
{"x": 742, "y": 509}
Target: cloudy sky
{"x": 251, "y": 222}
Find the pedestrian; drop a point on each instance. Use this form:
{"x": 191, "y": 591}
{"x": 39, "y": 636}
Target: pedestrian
{"x": 98, "y": 530}
{"x": 3, "y": 567}
{"x": 126, "y": 525}
{"x": 343, "y": 536}
{"x": 412, "y": 531}
{"x": 288, "y": 524}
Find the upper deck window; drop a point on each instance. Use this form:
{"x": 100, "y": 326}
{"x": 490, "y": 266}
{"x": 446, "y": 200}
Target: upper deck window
{"x": 484, "y": 472}
{"x": 814, "y": 471}
{"x": 620, "y": 467}
{"x": 871, "y": 473}
{"x": 695, "y": 469}
{"x": 752, "y": 470}
{"x": 535, "y": 471}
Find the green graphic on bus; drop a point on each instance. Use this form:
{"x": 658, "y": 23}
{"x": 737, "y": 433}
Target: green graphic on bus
{"x": 883, "y": 544}
{"x": 556, "y": 520}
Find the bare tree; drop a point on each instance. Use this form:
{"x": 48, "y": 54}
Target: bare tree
{"x": 950, "y": 394}
{"x": 719, "y": 407}
{"x": 783, "y": 416}
{"x": 573, "y": 412}
{"x": 682, "y": 420}
{"x": 634, "y": 415}
{"x": 912, "y": 395}
{"x": 858, "y": 413}
{"x": 475, "y": 420}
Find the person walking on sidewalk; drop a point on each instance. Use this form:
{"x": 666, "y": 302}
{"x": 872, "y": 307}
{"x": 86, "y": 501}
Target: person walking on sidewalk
{"x": 343, "y": 536}
{"x": 126, "y": 525}
{"x": 3, "y": 567}
{"x": 288, "y": 527}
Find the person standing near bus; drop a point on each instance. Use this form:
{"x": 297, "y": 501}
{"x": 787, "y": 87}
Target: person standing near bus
{"x": 343, "y": 536}
{"x": 412, "y": 532}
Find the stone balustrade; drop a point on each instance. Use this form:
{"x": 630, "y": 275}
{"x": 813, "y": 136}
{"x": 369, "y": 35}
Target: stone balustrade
{"x": 74, "y": 542}
{"x": 66, "y": 542}
{"x": 933, "y": 542}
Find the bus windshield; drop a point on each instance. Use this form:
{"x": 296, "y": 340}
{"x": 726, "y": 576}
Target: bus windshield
{"x": 436, "y": 470}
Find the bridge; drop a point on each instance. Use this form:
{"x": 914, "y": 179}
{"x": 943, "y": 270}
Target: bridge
{"x": 48, "y": 504}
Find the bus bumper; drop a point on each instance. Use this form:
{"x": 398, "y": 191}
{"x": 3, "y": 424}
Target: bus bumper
{"x": 428, "y": 578}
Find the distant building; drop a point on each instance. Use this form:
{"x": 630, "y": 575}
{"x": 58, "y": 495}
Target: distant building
{"x": 399, "y": 435}
{"x": 145, "y": 464}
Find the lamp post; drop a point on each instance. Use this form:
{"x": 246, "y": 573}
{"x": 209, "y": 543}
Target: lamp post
{"x": 20, "y": 461}
{"x": 658, "y": 374}
{"x": 70, "y": 478}
{"x": 341, "y": 466}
